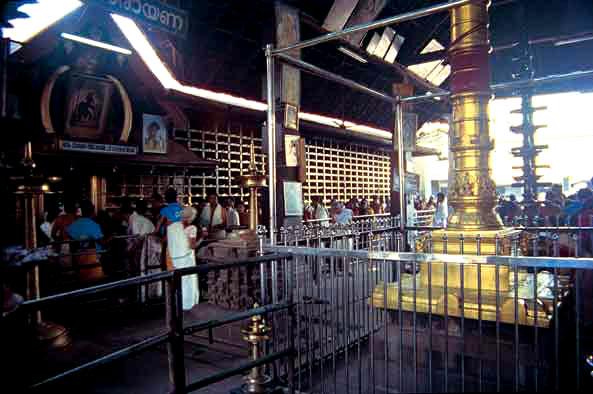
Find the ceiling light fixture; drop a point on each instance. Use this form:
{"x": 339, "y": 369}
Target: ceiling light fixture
{"x": 98, "y": 44}
{"x": 41, "y": 15}
{"x": 147, "y": 53}
{"x": 149, "y": 56}
{"x": 575, "y": 40}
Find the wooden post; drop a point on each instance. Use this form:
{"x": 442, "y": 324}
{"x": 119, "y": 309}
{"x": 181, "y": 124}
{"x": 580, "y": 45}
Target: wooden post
{"x": 288, "y": 94}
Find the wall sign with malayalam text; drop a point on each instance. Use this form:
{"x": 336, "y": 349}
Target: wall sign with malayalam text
{"x": 90, "y": 147}
{"x": 151, "y": 12}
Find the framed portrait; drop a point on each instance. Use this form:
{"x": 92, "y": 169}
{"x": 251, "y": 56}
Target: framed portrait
{"x": 291, "y": 149}
{"x": 154, "y": 134}
{"x": 291, "y": 117}
{"x": 293, "y": 199}
{"x": 87, "y": 106}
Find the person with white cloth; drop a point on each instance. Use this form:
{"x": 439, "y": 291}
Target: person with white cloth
{"x": 441, "y": 212}
{"x": 343, "y": 217}
{"x": 182, "y": 238}
{"x": 214, "y": 218}
{"x": 320, "y": 212}
{"x": 232, "y": 214}
{"x": 138, "y": 223}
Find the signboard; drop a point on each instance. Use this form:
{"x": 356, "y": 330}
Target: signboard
{"x": 75, "y": 146}
{"x": 150, "y": 12}
{"x": 412, "y": 182}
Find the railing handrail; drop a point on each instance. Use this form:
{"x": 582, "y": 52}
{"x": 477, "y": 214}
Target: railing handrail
{"x": 512, "y": 261}
{"x": 145, "y": 279}
{"x": 354, "y": 218}
{"x": 176, "y": 329}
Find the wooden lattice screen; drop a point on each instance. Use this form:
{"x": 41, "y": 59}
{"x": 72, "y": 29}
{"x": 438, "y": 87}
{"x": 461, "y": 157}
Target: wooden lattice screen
{"x": 334, "y": 168}
{"x": 345, "y": 170}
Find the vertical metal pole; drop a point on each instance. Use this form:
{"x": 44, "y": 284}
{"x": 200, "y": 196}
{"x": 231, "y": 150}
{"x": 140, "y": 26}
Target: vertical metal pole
{"x": 398, "y": 131}
{"x": 271, "y": 128}
{"x": 175, "y": 344}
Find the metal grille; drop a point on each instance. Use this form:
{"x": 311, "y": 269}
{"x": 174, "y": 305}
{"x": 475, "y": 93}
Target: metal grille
{"x": 229, "y": 145}
{"x": 345, "y": 170}
{"x": 334, "y": 168}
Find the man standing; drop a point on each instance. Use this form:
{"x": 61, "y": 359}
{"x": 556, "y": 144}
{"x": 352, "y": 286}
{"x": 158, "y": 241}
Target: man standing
{"x": 232, "y": 214}
{"x": 86, "y": 229}
{"x": 441, "y": 211}
{"x": 170, "y": 213}
{"x": 214, "y": 217}
{"x": 138, "y": 223}
{"x": 321, "y": 212}
{"x": 343, "y": 215}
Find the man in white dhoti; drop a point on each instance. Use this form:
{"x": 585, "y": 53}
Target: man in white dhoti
{"x": 214, "y": 218}
{"x": 441, "y": 212}
{"x": 182, "y": 238}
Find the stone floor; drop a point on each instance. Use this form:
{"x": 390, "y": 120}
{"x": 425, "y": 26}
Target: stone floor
{"x": 101, "y": 332}
{"x": 98, "y": 328}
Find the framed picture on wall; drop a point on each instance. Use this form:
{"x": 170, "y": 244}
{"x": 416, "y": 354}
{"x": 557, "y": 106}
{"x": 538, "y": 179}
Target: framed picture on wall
{"x": 291, "y": 149}
{"x": 154, "y": 134}
{"x": 88, "y": 105}
{"x": 293, "y": 199}
{"x": 291, "y": 117}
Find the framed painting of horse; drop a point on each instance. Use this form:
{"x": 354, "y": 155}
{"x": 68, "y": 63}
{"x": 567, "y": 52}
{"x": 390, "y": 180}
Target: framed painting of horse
{"x": 88, "y": 102}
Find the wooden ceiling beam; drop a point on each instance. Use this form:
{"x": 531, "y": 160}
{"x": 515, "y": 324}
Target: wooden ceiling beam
{"x": 394, "y": 68}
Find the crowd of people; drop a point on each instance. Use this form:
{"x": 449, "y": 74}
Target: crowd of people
{"x": 556, "y": 209}
{"x": 343, "y": 212}
{"x": 185, "y": 228}
{"x": 138, "y": 218}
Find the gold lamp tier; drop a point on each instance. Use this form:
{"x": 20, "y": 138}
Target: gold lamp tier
{"x": 254, "y": 180}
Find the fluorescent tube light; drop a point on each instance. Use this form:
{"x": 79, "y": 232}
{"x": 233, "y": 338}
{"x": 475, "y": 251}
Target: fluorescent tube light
{"x": 98, "y": 44}
{"x": 42, "y": 15}
{"x": 149, "y": 56}
{"x": 352, "y": 54}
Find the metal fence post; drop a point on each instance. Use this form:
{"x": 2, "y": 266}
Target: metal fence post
{"x": 174, "y": 315}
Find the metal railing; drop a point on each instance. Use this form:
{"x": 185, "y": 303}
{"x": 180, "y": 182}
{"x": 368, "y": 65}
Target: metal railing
{"x": 375, "y": 320}
{"x": 175, "y": 331}
{"x": 568, "y": 238}
{"x": 368, "y": 320}
{"x": 424, "y": 217}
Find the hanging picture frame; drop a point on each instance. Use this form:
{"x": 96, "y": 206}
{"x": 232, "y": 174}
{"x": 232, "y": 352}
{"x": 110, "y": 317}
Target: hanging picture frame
{"x": 291, "y": 117}
{"x": 291, "y": 149}
{"x": 154, "y": 134}
{"x": 293, "y": 199}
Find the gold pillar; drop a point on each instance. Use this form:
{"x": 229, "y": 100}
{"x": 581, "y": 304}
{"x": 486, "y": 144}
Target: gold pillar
{"x": 253, "y": 209}
{"x": 98, "y": 192}
{"x": 472, "y": 196}
{"x": 472, "y": 193}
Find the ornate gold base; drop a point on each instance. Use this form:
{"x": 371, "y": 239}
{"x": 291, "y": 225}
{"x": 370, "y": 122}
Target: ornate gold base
{"x": 450, "y": 303}
{"x": 450, "y": 242}
{"x": 433, "y": 294}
